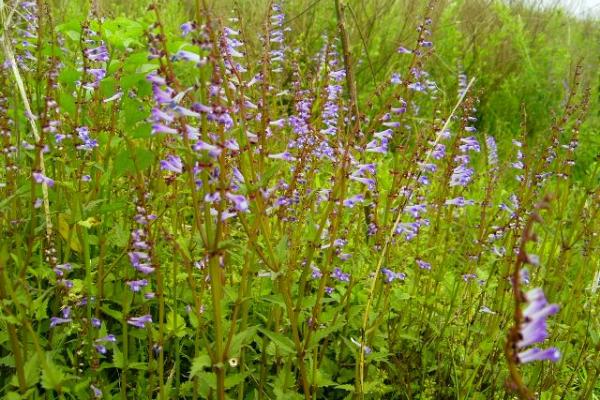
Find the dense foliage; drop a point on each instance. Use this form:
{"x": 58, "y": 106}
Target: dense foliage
{"x": 320, "y": 200}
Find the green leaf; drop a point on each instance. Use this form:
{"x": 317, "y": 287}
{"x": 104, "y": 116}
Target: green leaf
{"x": 175, "y": 324}
{"x": 285, "y": 345}
{"x": 52, "y": 376}
{"x": 71, "y": 29}
{"x": 240, "y": 338}
{"x": 199, "y": 364}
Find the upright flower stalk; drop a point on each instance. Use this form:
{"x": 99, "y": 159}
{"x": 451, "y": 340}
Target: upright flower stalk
{"x": 531, "y": 312}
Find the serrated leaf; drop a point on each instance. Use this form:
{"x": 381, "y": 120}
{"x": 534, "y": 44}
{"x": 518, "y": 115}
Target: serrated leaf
{"x": 199, "y": 364}
{"x": 285, "y": 345}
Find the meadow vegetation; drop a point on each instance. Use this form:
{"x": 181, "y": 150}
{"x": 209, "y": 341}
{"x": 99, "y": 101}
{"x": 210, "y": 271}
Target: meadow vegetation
{"x": 328, "y": 199}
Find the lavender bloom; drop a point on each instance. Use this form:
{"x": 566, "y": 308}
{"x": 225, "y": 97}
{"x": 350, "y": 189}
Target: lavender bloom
{"x": 316, "y": 272}
{"x": 114, "y": 97}
{"x": 374, "y": 147}
{"x": 390, "y": 275}
{"x": 367, "y": 181}
{"x": 492, "y": 150}
{"x": 367, "y": 349}
{"x": 460, "y": 202}
{"x": 213, "y": 150}
{"x": 138, "y": 285}
{"x": 364, "y": 168}
{"x": 403, "y": 50}
{"x": 469, "y": 144}
{"x": 97, "y": 392}
{"x": 188, "y": 56}
{"x": 283, "y": 156}
{"x": 461, "y": 176}
{"x": 439, "y": 151}
{"x": 417, "y": 87}
{"x": 352, "y": 201}
{"x": 534, "y": 328}
{"x": 40, "y": 178}
{"x": 160, "y": 128}
{"x": 158, "y": 80}
{"x": 99, "y": 53}
{"x": 172, "y": 163}
{"x": 140, "y": 322}
{"x": 61, "y": 269}
{"x": 240, "y": 202}
{"x": 537, "y": 354}
{"x": 58, "y": 321}
{"x": 187, "y": 28}
{"x": 108, "y": 338}
{"x": 416, "y": 210}
{"x": 337, "y": 274}
{"x": 423, "y": 264}
{"x": 84, "y": 135}
{"x": 96, "y": 323}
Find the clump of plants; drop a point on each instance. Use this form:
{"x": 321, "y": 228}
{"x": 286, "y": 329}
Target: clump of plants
{"x": 212, "y": 212}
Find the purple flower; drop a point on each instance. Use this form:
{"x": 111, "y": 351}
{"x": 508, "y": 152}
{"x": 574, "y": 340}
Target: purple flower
{"x": 240, "y": 202}
{"x": 366, "y": 348}
{"x": 40, "y": 178}
{"x": 187, "y": 28}
{"x": 156, "y": 79}
{"x": 416, "y": 210}
{"x": 352, "y": 201}
{"x": 404, "y": 50}
{"x": 97, "y": 392}
{"x": 492, "y": 149}
{"x": 138, "y": 285}
{"x": 96, "y": 323}
{"x": 140, "y": 322}
{"x": 87, "y": 142}
{"x": 337, "y": 274}
{"x": 469, "y": 144}
{"x": 461, "y": 176}
{"x": 160, "y": 128}
{"x": 391, "y": 276}
{"x": 423, "y": 264}
{"x": 99, "y": 53}
{"x": 213, "y": 150}
{"x": 367, "y": 181}
{"x": 172, "y": 163}
{"x": 108, "y": 338}
{"x": 439, "y": 151}
{"x": 459, "y": 201}
{"x": 417, "y": 87}
{"x": 58, "y": 321}
{"x": 316, "y": 272}
{"x": 537, "y": 354}
{"x": 283, "y": 156}
{"x": 534, "y": 327}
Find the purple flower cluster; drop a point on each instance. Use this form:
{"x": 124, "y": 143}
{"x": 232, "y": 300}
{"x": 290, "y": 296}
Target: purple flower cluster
{"x": 534, "y": 328}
